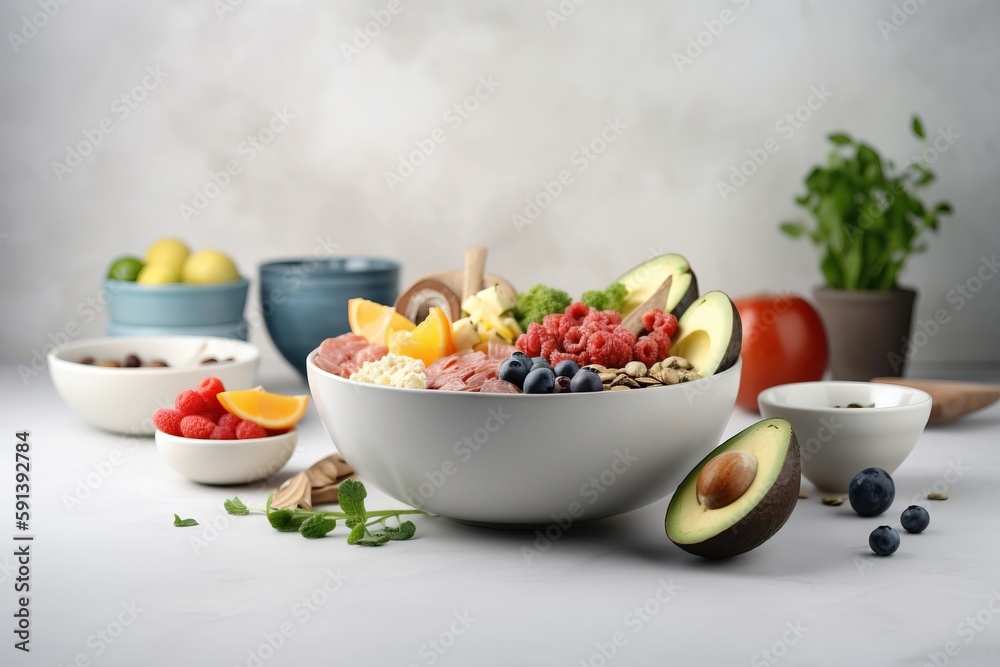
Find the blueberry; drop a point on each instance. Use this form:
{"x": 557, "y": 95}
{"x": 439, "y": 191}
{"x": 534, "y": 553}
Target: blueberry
{"x": 539, "y": 360}
{"x": 540, "y": 381}
{"x": 562, "y": 385}
{"x": 871, "y": 492}
{"x": 567, "y": 368}
{"x": 884, "y": 540}
{"x": 514, "y": 370}
{"x": 518, "y": 353}
{"x": 586, "y": 380}
{"x": 915, "y": 519}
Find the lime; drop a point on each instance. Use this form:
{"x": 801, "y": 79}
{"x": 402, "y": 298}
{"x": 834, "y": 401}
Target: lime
{"x": 125, "y": 268}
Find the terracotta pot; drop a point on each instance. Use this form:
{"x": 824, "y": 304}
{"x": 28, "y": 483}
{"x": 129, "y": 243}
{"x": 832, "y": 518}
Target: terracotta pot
{"x": 867, "y": 331}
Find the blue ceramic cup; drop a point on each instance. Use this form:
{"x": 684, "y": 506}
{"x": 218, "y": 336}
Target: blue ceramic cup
{"x": 304, "y": 301}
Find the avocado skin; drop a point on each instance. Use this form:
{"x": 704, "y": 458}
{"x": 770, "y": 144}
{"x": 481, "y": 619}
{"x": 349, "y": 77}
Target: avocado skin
{"x": 764, "y": 520}
{"x": 735, "y": 343}
{"x": 689, "y": 297}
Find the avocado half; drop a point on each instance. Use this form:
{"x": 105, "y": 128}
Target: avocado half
{"x": 643, "y": 281}
{"x": 726, "y": 514}
{"x": 709, "y": 334}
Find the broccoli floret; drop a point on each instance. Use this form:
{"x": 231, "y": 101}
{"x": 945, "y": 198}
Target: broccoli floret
{"x": 538, "y": 302}
{"x": 612, "y": 298}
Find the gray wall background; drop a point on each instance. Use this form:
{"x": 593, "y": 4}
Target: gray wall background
{"x": 321, "y": 182}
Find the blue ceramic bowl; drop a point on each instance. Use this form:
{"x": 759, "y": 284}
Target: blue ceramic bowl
{"x": 176, "y": 305}
{"x": 239, "y": 330}
{"x": 304, "y": 301}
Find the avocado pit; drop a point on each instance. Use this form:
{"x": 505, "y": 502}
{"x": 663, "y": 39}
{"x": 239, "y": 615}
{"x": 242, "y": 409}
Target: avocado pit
{"x": 726, "y": 478}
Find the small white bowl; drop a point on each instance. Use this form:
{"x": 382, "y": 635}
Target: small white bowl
{"x": 227, "y": 461}
{"x": 123, "y": 400}
{"x": 838, "y": 442}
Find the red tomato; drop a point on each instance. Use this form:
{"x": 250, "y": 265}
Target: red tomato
{"x": 783, "y": 341}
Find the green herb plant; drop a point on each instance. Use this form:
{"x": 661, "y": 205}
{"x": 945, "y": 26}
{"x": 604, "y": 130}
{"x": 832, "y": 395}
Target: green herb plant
{"x": 868, "y": 217}
{"x": 368, "y": 528}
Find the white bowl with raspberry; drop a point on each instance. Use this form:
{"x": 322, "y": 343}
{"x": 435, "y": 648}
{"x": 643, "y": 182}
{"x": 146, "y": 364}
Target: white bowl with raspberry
{"x": 123, "y": 399}
{"x": 226, "y": 462}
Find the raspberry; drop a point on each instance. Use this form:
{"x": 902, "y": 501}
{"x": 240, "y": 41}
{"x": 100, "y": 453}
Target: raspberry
{"x": 549, "y": 345}
{"x": 530, "y": 341}
{"x": 557, "y": 325}
{"x": 168, "y": 421}
{"x": 209, "y": 389}
{"x": 577, "y": 311}
{"x": 612, "y": 316}
{"x": 575, "y": 341}
{"x": 230, "y": 420}
{"x": 190, "y": 402}
{"x": 558, "y": 356}
{"x": 196, "y": 426}
{"x": 608, "y": 350}
{"x": 657, "y": 320}
{"x": 646, "y": 350}
{"x": 276, "y": 431}
{"x": 662, "y": 342}
{"x": 624, "y": 334}
{"x": 223, "y": 433}
{"x": 248, "y": 430}
{"x": 213, "y": 415}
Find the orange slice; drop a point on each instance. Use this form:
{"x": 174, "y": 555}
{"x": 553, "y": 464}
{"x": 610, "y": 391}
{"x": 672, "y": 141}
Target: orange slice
{"x": 373, "y": 320}
{"x": 429, "y": 341}
{"x": 273, "y": 411}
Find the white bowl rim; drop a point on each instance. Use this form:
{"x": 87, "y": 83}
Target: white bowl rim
{"x": 314, "y": 368}
{"x": 180, "y": 439}
{"x": 56, "y": 356}
{"x": 768, "y": 396}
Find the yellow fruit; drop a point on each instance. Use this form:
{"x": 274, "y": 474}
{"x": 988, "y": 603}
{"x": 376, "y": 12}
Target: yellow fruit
{"x": 273, "y": 411}
{"x": 373, "y": 320}
{"x": 209, "y": 266}
{"x": 158, "y": 274}
{"x": 429, "y": 341}
{"x": 167, "y": 252}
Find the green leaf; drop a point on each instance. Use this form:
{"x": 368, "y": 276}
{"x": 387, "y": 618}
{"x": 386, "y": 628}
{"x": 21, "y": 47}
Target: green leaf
{"x": 839, "y": 138}
{"x": 404, "y": 531}
{"x": 943, "y": 207}
{"x": 352, "y": 496}
{"x": 357, "y": 533}
{"x": 183, "y": 523}
{"x": 317, "y": 525}
{"x": 793, "y": 229}
{"x": 376, "y": 540}
{"x": 267, "y": 506}
{"x": 236, "y": 507}
{"x": 918, "y": 127}
{"x": 285, "y": 520}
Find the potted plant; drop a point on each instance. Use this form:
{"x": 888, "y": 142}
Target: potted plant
{"x": 867, "y": 220}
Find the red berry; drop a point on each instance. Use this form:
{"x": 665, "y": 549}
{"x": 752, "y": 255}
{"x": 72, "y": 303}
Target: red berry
{"x": 168, "y": 421}
{"x": 223, "y": 433}
{"x": 209, "y": 389}
{"x": 276, "y": 431}
{"x": 196, "y": 426}
{"x": 190, "y": 402}
{"x": 213, "y": 415}
{"x": 662, "y": 342}
{"x": 562, "y": 356}
{"x": 230, "y": 420}
{"x": 646, "y": 350}
{"x": 248, "y": 430}
{"x": 575, "y": 341}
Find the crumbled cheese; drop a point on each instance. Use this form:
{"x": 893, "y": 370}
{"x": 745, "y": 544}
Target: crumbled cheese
{"x": 393, "y": 370}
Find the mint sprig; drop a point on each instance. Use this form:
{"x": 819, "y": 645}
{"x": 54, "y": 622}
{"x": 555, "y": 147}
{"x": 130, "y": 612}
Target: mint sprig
{"x": 368, "y": 528}
{"x": 184, "y": 523}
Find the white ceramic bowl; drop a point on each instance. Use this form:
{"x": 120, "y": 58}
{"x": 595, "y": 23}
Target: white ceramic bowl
{"x": 520, "y": 459}
{"x": 123, "y": 399}
{"x": 227, "y": 461}
{"x": 837, "y": 443}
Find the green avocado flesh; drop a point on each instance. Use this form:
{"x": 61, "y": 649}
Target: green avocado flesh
{"x": 755, "y": 516}
{"x": 709, "y": 334}
{"x": 644, "y": 279}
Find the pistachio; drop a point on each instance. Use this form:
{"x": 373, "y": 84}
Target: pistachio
{"x": 624, "y": 380}
{"x": 636, "y": 369}
{"x": 679, "y": 363}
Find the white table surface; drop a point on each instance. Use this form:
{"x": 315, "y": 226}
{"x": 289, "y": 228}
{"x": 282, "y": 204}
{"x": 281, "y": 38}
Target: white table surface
{"x": 114, "y": 583}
